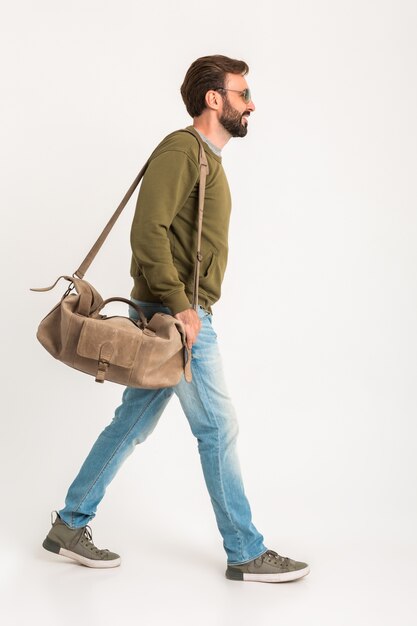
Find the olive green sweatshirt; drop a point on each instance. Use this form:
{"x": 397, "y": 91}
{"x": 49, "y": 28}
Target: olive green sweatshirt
{"x": 164, "y": 228}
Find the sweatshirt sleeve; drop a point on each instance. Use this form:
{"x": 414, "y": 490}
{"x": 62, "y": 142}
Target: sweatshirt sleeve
{"x": 166, "y": 185}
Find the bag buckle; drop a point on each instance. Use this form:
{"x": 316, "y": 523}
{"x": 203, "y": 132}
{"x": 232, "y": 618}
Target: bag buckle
{"x": 106, "y": 352}
{"x": 103, "y": 366}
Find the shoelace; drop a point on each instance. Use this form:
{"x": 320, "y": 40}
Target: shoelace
{"x": 88, "y": 534}
{"x": 277, "y": 559}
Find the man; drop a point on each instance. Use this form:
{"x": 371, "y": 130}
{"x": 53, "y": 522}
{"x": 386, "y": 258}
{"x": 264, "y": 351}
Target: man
{"x": 164, "y": 240}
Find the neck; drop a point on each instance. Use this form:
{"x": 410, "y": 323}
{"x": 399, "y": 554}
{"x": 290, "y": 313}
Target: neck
{"x": 213, "y": 131}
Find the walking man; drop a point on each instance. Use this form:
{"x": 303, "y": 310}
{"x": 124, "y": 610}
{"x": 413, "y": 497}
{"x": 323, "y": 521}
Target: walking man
{"x": 164, "y": 240}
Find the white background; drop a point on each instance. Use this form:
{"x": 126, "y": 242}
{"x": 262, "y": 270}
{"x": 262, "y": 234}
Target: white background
{"x": 316, "y": 323}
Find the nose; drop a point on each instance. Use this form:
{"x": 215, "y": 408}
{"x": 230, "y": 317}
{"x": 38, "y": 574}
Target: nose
{"x": 251, "y": 105}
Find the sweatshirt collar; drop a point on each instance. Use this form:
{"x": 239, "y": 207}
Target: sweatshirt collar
{"x": 214, "y": 149}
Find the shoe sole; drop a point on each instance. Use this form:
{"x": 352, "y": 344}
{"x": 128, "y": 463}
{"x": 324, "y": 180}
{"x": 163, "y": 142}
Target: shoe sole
{"x": 54, "y": 547}
{"x": 282, "y": 577}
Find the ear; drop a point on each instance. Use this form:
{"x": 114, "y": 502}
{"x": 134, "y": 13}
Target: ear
{"x": 213, "y": 99}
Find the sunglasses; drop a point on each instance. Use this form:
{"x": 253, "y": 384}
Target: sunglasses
{"x": 246, "y": 94}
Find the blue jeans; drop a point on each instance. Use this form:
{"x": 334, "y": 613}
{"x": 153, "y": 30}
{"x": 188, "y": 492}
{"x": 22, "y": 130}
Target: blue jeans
{"x": 213, "y": 422}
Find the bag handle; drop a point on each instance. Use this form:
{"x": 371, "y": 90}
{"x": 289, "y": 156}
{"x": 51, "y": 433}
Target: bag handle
{"x": 204, "y": 170}
{"x": 135, "y": 306}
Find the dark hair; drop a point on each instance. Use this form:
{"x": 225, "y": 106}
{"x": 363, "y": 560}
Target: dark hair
{"x": 204, "y": 74}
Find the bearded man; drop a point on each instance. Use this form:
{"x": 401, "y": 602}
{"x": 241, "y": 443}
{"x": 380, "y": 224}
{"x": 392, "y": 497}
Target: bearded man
{"x": 164, "y": 240}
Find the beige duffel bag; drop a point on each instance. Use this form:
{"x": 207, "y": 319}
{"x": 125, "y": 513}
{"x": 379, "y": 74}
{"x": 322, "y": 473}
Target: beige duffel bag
{"x": 136, "y": 353}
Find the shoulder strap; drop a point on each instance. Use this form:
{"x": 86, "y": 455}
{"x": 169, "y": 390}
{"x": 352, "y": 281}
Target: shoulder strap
{"x": 204, "y": 170}
{"x": 81, "y": 271}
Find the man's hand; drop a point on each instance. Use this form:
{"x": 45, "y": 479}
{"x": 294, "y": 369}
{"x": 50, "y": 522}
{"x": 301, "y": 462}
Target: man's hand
{"x": 192, "y": 325}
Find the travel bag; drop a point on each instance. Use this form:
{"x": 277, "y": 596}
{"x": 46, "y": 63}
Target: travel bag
{"x": 137, "y": 353}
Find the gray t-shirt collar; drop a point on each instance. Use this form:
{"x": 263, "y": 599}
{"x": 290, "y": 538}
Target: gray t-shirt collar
{"x": 211, "y": 145}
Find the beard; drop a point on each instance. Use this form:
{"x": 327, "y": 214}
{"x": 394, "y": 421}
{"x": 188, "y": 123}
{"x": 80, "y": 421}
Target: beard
{"x": 231, "y": 120}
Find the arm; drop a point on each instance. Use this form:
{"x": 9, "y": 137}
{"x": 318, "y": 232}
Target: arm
{"x": 167, "y": 183}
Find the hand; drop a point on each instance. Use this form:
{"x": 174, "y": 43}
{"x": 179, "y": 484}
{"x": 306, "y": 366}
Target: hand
{"x": 192, "y": 325}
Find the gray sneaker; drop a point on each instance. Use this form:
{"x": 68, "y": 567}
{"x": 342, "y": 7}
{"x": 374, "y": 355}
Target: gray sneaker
{"x": 77, "y": 544}
{"x": 269, "y": 567}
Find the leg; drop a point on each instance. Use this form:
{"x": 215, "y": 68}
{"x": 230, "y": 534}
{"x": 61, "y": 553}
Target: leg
{"x": 133, "y": 421}
{"x": 212, "y": 419}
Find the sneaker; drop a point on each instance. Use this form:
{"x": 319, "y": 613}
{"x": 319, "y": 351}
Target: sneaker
{"x": 77, "y": 544}
{"x": 269, "y": 567}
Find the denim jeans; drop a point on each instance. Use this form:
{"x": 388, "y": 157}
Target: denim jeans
{"x": 212, "y": 419}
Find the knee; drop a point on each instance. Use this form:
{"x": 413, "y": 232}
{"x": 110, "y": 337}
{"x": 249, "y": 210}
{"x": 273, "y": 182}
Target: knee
{"x": 220, "y": 433}
{"x": 136, "y": 417}
{"x": 232, "y": 430}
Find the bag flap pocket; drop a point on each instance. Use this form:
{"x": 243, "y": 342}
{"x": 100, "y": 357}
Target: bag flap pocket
{"x": 117, "y": 338}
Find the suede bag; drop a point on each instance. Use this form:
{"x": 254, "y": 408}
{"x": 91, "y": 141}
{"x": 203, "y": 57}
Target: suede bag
{"x": 143, "y": 353}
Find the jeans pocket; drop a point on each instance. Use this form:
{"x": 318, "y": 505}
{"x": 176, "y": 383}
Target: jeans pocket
{"x": 203, "y": 312}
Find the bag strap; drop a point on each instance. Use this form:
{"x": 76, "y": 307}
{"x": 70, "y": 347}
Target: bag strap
{"x": 204, "y": 170}
{"x": 81, "y": 271}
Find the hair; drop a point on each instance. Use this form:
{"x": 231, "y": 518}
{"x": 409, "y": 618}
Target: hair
{"x": 204, "y": 74}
